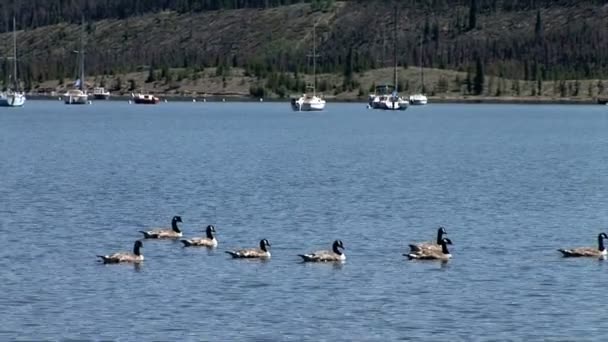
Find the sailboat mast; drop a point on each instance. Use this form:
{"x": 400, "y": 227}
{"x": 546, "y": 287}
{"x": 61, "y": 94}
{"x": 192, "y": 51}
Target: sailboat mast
{"x": 16, "y": 83}
{"x": 395, "y": 53}
{"x": 421, "y": 68}
{"x": 81, "y": 85}
{"x": 314, "y": 60}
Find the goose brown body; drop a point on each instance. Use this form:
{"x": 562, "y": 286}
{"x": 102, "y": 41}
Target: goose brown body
{"x": 334, "y": 255}
{"x": 165, "y": 233}
{"x": 431, "y": 254}
{"x": 209, "y": 241}
{"x": 598, "y": 252}
{"x": 430, "y": 246}
{"x": 127, "y": 257}
{"x": 263, "y": 252}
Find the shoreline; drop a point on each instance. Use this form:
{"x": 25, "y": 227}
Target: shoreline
{"x": 432, "y": 99}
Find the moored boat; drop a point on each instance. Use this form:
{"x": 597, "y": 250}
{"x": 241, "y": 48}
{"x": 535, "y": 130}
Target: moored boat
{"x": 100, "y": 93}
{"x": 310, "y": 102}
{"x": 145, "y": 99}
{"x": 12, "y": 97}
{"x": 79, "y": 94}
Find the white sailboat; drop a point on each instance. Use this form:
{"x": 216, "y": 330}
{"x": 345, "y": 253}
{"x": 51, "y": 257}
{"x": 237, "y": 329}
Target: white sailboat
{"x": 12, "y": 97}
{"x": 419, "y": 99}
{"x": 387, "y": 97}
{"x": 78, "y": 95}
{"x": 310, "y": 102}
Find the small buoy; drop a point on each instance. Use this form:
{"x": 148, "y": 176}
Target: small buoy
{"x": 261, "y": 99}
{"x": 59, "y": 98}
{"x": 165, "y": 100}
{"x": 129, "y": 101}
{"x": 223, "y": 100}
{"x": 193, "y": 100}
{"x": 204, "y": 100}
{"x": 89, "y": 102}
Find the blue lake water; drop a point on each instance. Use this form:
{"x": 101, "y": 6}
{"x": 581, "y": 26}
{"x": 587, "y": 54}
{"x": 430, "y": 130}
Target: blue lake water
{"x": 510, "y": 183}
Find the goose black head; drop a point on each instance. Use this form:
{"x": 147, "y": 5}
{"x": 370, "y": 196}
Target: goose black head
{"x": 264, "y": 244}
{"x": 444, "y": 245}
{"x": 136, "y": 247}
{"x": 177, "y": 219}
{"x": 210, "y": 230}
{"x": 337, "y": 246}
{"x": 602, "y": 236}
{"x": 440, "y": 233}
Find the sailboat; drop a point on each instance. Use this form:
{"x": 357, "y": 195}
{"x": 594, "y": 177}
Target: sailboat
{"x": 387, "y": 96}
{"x": 419, "y": 99}
{"x": 310, "y": 102}
{"x": 13, "y": 97}
{"x": 78, "y": 95}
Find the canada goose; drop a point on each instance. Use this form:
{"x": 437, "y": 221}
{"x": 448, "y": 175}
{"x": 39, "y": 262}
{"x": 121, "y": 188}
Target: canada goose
{"x": 335, "y": 255}
{"x": 209, "y": 241}
{"x": 134, "y": 257}
{"x": 429, "y": 245}
{"x": 426, "y": 254}
{"x": 588, "y": 251}
{"x": 250, "y": 253}
{"x": 172, "y": 233}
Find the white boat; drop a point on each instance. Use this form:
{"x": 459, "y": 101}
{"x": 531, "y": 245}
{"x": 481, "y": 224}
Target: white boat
{"x": 386, "y": 97}
{"x": 310, "y": 102}
{"x": 79, "y": 94}
{"x": 12, "y": 97}
{"x": 420, "y": 99}
{"x": 100, "y": 93}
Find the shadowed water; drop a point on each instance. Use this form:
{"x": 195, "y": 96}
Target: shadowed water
{"x": 510, "y": 183}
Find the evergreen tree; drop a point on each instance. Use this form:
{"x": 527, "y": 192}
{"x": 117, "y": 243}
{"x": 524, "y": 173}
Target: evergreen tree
{"x": 473, "y": 15}
{"x": 478, "y": 82}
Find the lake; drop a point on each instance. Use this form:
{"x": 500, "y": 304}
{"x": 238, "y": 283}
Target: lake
{"x": 510, "y": 183}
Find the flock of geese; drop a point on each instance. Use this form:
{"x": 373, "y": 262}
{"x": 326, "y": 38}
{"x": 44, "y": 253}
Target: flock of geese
{"x": 437, "y": 250}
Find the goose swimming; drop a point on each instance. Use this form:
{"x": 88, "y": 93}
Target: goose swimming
{"x": 208, "y": 241}
{"x": 335, "y": 255}
{"x": 598, "y": 252}
{"x": 164, "y": 233}
{"x": 119, "y": 257}
{"x": 417, "y": 247}
{"x": 250, "y": 253}
{"x": 431, "y": 254}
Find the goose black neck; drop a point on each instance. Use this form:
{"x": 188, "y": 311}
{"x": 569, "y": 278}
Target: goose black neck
{"x": 336, "y": 249}
{"x": 136, "y": 250}
{"x": 174, "y": 226}
{"x": 444, "y": 248}
{"x": 439, "y": 236}
{"x": 209, "y": 234}
{"x": 600, "y": 242}
{"x": 263, "y": 246}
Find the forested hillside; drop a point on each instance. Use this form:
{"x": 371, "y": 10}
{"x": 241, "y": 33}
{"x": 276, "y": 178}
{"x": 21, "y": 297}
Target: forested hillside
{"x": 530, "y": 40}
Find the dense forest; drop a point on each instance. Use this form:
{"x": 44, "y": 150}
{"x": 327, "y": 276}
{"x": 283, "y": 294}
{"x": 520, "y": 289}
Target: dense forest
{"x": 533, "y": 40}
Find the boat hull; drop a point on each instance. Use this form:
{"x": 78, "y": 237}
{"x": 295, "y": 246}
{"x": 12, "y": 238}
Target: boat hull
{"x": 308, "y": 105}
{"x": 101, "y": 96}
{"x": 77, "y": 100}
{"x": 146, "y": 101}
{"x": 12, "y": 100}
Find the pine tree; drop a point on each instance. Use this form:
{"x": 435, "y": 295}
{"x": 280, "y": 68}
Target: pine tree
{"x": 473, "y": 15}
{"x": 478, "y": 82}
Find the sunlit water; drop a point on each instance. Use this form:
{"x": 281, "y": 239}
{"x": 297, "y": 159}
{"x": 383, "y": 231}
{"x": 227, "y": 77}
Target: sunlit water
{"x": 510, "y": 183}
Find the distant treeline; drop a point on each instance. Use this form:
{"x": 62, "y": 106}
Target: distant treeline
{"x": 533, "y": 40}
{"x": 36, "y": 13}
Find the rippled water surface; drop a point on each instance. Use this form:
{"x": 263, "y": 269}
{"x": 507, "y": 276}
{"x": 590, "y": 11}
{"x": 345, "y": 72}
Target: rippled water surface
{"x": 510, "y": 183}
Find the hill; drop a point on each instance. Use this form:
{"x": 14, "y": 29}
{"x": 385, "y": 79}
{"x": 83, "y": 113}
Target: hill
{"x": 545, "y": 46}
